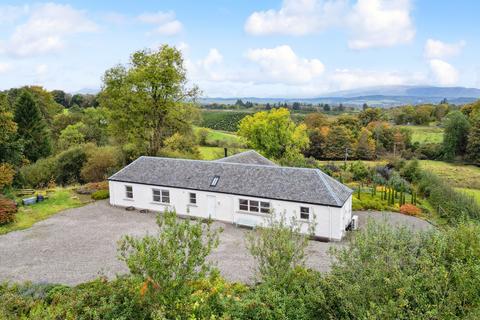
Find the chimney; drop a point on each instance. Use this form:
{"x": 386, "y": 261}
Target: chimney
{"x": 226, "y": 152}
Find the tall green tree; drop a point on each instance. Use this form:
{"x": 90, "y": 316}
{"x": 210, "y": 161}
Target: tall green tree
{"x": 32, "y": 128}
{"x": 455, "y": 135}
{"x": 473, "y": 146}
{"x": 149, "y": 99}
{"x": 274, "y": 133}
{"x": 10, "y": 147}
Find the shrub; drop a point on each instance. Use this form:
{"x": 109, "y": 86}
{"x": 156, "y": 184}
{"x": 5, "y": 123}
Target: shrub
{"x": 8, "y": 208}
{"x": 101, "y": 162}
{"x": 389, "y": 272}
{"x": 169, "y": 262}
{"x": 368, "y": 203}
{"x": 100, "y": 195}
{"x": 410, "y": 209}
{"x": 6, "y": 175}
{"x": 278, "y": 248}
{"x": 69, "y": 165}
{"x": 91, "y": 187}
{"x": 40, "y": 173}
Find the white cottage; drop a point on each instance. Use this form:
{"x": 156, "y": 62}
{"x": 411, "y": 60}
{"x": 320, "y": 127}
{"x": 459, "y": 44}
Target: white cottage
{"x": 242, "y": 189}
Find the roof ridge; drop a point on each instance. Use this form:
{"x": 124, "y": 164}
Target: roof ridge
{"x": 231, "y": 163}
{"x": 328, "y": 186}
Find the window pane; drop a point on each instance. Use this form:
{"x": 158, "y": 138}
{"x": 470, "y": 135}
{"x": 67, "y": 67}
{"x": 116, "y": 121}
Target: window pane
{"x": 254, "y": 203}
{"x": 243, "y": 207}
{"x": 156, "y": 192}
{"x": 166, "y": 199}
{"x": 165, "y": 193}
{"x": 244, "y": 202}
{"x": 304, "y": 216}
{"x": 128, "y": 188}
{"x": 156, "y": 198}
{"x": 253, "y": 209}
{"x": 304, "y": 209}
{"x": 193, "y": 198}
{"x": 265, "y": 207}
{"x": 129, "y": 194}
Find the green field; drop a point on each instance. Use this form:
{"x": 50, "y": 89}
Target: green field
{"x": 459, "y": 175}
{"x": 217, "y": 136}
{"x": 59, "y": 200}
{"x": 222, "y": 120}
{"x": 424, "y": 134}
{"x": 213, "y": 153}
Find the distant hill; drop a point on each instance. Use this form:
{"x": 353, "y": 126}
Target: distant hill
{"x": 385, "y": 96}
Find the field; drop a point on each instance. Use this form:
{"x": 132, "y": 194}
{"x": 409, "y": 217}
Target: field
{"x": 475, "y": 193}
{"x": 57, "y": 201}
{"x": 217, "y": 136}
{"x": 459, "y": 175}
{"x": 213, "y": 153}
{"x": 424, "y": 134}
{"x": 222, "y": 120}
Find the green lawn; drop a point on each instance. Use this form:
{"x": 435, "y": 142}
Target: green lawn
{"x": 57, "y": 201}
{"x": 459, "y": 175}
{"x": 423, "y": 134}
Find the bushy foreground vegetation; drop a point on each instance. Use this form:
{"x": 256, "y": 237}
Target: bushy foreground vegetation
{"x": 384, "y": 272}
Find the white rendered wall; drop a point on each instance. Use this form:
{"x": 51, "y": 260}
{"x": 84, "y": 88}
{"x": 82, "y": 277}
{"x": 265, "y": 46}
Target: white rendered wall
{"x": 330, "y": 222}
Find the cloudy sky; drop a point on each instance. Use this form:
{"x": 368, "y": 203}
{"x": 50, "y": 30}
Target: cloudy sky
{"x": 290, "y": 48}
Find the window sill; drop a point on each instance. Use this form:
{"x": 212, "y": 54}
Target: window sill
{"x": 128, "y": 199}
{"x": 161, "y": 203}
{"x": 192, "y": 205}
{"x": 254, "y": 213}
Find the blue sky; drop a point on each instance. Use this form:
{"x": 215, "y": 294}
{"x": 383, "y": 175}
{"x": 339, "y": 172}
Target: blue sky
{"x": 290, "y": 48}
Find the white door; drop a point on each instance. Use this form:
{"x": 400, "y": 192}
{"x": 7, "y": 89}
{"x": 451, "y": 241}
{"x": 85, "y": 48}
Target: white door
{"x": 211, "y": 206}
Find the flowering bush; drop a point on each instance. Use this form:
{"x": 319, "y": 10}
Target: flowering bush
{"x": 410, "y": 209}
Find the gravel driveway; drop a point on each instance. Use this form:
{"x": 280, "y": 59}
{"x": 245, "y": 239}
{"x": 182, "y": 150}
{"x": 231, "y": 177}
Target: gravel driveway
{"x": 80, "y": 244}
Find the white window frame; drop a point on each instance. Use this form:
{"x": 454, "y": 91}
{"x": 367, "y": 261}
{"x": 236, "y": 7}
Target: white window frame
{"x": 308, "y": 212}
{"x": 128, "y": 194}
{"x": 190, "y": 194}
{"x": 254, "y": 206}
{"x": 164, "y": 198}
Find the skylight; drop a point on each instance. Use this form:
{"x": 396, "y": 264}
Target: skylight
{"x": 214, "y": 181}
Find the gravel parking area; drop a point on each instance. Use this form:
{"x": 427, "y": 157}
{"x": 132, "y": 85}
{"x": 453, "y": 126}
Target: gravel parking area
{"x": 80, "y": 244}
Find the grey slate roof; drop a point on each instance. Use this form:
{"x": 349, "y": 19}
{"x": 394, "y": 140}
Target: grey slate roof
{"x": 248, "y": 157}
{"x": 262, "y": 181}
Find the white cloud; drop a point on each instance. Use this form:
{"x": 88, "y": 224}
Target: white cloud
{"x": 4, "y": 67}
{"x": 345, "y": 79}
{"x": 380, "y": 23}
{"x": 436, "y": 49}
{"x": 296, "y": 17}
{"x": 46, "y": 29}
{"x": 282, "y": 64}
{"x": 165, "y": 22}
{"x": 371, "y": 23}
{"x": 444, "y": 73}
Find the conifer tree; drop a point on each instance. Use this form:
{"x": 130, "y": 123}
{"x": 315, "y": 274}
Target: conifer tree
{"x": 32, "y": 128}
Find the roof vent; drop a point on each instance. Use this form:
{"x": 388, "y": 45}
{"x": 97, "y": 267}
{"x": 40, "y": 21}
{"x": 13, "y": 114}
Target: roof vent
{"x": 214, "y": 181}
